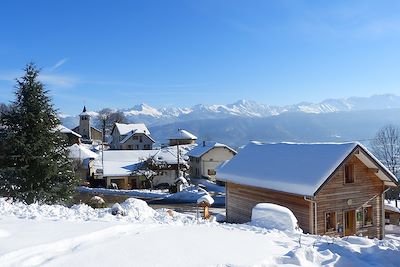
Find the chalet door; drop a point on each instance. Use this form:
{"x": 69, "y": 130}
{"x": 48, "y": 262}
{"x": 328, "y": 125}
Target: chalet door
{"x": 349, "y": 222}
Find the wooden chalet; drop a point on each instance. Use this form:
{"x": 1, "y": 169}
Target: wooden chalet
{"x": 333, "y": 189}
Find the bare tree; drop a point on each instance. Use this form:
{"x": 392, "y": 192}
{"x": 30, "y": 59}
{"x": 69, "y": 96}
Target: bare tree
{"x": 107, "y": 117}
{"x": 386, "y": 147}
{"x": 149, "y": 168}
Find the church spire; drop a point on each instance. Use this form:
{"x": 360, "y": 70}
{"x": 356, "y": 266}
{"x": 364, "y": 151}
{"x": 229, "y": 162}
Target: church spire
{"x": 84, "y": 108}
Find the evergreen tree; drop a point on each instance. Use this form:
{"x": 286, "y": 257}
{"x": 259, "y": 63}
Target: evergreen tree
{"x": 36, "y": 167}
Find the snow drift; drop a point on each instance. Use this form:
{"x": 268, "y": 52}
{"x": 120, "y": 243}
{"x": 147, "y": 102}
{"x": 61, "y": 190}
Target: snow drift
{"x": 272, "y": 216}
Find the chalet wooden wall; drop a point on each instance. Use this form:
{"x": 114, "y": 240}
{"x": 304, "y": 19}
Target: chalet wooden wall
{"x": 241, "y": 199}
{"x": 366, "y": 190}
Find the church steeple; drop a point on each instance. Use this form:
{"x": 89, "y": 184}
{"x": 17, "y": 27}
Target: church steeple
{"x": 84, "y": 124}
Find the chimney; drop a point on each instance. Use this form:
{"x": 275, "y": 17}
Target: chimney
{"x": 204, "y": 143}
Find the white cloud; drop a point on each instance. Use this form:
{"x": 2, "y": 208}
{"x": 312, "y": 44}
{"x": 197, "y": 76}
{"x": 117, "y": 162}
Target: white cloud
{"x": 58, "y": 64}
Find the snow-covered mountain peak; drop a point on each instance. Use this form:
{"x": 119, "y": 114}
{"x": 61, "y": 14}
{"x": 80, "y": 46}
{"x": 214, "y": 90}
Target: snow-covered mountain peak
{"x": 143, "y": 109}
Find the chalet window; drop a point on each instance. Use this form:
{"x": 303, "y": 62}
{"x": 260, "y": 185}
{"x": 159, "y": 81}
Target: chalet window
{"x": 211, "y": 172}
{"x": 135, "y": 137}
{"x": 367, "y": 216}
{"x": 140, "y": 139}
{"x": 137, "y": 146}
{"x": 330, "y": 222}
{"x": 349, "y": 173}
{"x": 130, "y": 147}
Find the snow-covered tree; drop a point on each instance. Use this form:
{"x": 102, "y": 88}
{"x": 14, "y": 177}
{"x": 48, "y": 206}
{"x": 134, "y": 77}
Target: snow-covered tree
{"x": 36, "y": 167}
{"x": 386, "y": 147}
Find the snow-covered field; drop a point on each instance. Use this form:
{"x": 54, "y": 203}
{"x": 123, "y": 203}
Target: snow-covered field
{"x": 42, "y": 235}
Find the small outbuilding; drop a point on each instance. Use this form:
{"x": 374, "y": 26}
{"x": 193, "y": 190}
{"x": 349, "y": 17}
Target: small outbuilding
{"x": 332, "y": 188}
{"x": 392, "y": 215}
{"x": 182, "y": 137}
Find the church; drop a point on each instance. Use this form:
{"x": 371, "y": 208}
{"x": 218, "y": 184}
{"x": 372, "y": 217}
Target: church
{"x": 88, "y": 132}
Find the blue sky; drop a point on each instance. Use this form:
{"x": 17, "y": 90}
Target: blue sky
{"x": 180, "y": 53}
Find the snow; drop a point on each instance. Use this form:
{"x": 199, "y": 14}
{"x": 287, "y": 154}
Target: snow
{"x": 62, "y": 129}
{"x": 81, "y": 152}
{"x": 183, "y": 134}
{"x": 207, "y": 199}
{"x": 133, "y": 127}
{"x": 289, "y": 167}
{"x": 142, "y": 193}
{"x": 147, "y": 237}
{"x": 391, "y": 208}
{"x": 124, "y": 162}
{"x": 209, "y": 185}
{"x": 189, "y": 194}
{"x": 206, "y": 146}
{"x": 272, "y": 216}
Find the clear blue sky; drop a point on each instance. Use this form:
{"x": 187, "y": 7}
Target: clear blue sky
{"x": 180, "y": 53}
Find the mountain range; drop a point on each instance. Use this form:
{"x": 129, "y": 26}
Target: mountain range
{"x": 283, "y": 122}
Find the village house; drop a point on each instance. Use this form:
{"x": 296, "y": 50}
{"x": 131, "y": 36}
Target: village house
{"x": 392, "y": 215}
{"x": 127, "y": 169}
{"x": 205, "y": 158}
{"x": 71, "y": 136}
{"x": 333, "y": 189}
{"x": 131, "y": 137}
{"x": 182, "y": 137}
{"x": 86, "y": 130}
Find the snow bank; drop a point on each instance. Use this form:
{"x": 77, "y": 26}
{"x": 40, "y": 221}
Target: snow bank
{"x": 137, "y": 209}
{"x": 188, "y": 194}
{"x": 142, "y": 193}
{"x": 272, "y": 216}
{"x": 132, "y": 209}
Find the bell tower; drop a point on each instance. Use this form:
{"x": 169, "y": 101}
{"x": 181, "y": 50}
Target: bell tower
{"x": 84, "y": 125}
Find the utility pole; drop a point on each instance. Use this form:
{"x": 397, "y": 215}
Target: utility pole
{"x": 178, "y": 154}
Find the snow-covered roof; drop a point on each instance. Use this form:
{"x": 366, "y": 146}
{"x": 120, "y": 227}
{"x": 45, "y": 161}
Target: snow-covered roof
{"x": 206, "y": 146}
{"x": 124, "y": 129}
{"x": 169, "y": 155}
{"x": 62, "y": 129}
{"x": 81, "y": 152}
{"x": 297, "y": 168}
{"x": 122, "y": 162}
{"x": 392, "y": 208}
{"x": 182, "y": 134}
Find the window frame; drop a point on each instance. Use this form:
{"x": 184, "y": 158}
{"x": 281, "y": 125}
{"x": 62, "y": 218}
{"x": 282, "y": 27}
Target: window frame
{"x": 335, "y": 222}
{"x": 346, "y": 170}
{"x": 372, "y": 216}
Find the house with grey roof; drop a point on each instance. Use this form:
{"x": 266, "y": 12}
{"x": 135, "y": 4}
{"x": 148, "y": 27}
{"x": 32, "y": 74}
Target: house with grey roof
{"x": 206, "y": 157}
{"x": 134, "y": 136}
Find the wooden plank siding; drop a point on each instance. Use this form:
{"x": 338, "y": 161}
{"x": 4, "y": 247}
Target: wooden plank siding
{"x": 366, "y": 190}
{"x": 241, "y": 199}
